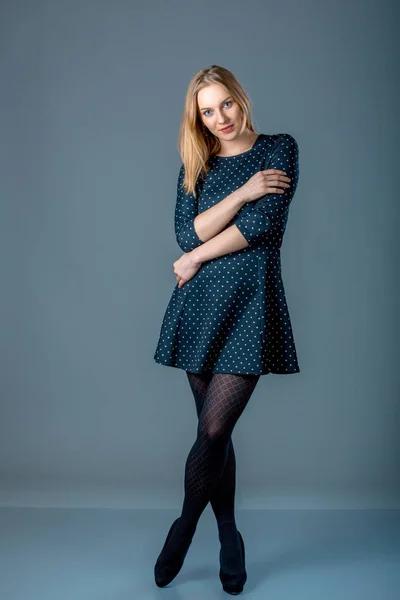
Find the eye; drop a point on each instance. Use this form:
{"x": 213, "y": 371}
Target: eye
{"x": 208, "y": 110}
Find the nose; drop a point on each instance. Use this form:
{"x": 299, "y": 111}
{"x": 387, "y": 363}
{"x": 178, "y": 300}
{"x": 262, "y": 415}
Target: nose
{"x": 221, "y": 118}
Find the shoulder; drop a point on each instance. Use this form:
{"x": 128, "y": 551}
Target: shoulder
{"x": 281, "y": 139}
{"x": 279, "y": 145}
{"x": 181, "y": 174}
{"x": 287, "y": 143}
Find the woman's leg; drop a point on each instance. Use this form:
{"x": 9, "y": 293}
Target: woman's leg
{"x": 223, "y": 498}
{"x": 226, "y": 397}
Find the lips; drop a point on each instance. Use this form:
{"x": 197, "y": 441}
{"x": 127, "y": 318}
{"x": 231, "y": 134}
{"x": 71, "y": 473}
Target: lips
{"x": 227, "y": 127}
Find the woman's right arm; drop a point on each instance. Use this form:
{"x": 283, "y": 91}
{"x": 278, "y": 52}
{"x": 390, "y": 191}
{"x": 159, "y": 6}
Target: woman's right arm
{"x": 192, "y": 229}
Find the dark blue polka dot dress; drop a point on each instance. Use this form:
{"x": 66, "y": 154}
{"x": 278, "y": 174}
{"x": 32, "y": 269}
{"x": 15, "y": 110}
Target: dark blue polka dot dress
{"x": 232, "y": 316}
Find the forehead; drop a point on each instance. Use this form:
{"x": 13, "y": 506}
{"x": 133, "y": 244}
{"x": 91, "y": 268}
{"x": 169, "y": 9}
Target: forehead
{"x": 212, "y": 95}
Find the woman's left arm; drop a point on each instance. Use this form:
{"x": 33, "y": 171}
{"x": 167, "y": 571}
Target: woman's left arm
{"x": 252, "y": 225}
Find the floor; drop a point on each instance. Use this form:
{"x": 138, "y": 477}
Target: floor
{"x": 100, "y": 554}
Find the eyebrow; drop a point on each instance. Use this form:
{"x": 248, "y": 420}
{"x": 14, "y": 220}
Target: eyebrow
{"x": 207, "y": 107}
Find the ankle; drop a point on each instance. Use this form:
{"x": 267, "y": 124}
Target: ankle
{"x": 185, "y": 532}
{"x": 226, "y": 524}
{"x": 227, "y": 531}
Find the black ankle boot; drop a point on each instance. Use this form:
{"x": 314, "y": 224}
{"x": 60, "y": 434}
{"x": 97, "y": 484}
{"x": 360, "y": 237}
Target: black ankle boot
{"x": 168, "y": 566}
{"x": 232, "y": 580}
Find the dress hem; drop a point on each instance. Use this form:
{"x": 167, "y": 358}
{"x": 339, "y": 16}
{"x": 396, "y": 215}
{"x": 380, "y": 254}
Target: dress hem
{"x": 264, "y": 372}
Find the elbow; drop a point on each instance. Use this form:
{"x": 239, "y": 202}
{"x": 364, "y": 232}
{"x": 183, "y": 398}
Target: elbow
{"x": 186, "y": 245}
{"x": 252, "y": 230}
{"x": 187, "y": 237}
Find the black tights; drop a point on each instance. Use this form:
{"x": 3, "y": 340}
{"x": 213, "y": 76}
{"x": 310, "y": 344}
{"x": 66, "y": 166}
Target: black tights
{"x": 210, "y": 470}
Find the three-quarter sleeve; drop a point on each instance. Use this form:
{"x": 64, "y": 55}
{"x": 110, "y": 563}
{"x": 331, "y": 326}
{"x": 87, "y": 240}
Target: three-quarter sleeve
{"x": 185, "y": 213}
{"x": 269, "y": 209}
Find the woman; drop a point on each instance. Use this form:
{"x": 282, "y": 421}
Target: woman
{"x": 227, "y": 321}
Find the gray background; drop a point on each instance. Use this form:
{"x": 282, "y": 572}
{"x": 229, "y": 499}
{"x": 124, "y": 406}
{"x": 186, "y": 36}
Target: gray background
{"x": 91, "y": 102}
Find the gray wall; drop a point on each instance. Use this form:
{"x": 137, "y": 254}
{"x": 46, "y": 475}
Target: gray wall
{"x": 91, "y": 101}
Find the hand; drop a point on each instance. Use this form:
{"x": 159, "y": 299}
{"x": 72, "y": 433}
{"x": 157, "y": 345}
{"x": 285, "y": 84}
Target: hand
{"x": 186, "y": 267}
{"x": 264, "y": 182}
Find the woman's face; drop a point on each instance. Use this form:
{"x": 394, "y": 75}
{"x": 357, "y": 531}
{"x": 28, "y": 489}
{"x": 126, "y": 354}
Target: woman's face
{"x": 218, "y": 110}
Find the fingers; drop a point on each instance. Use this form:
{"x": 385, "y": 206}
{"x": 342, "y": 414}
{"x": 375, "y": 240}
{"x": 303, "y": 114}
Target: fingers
{"x": 277, "y": 174}
{"x": 276, "y": 190}
{"x": 275, "y": 171}
{"x": 278, "y": 179}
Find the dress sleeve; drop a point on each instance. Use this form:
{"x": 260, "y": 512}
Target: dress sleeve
{"x": 185, "y": 213}
{"x": 267, "y": 210}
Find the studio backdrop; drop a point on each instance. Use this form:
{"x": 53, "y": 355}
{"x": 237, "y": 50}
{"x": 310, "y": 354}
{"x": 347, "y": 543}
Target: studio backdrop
{"x": 91, "y": 102}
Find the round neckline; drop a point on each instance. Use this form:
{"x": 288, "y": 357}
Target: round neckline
{"x": 240, "y": 153}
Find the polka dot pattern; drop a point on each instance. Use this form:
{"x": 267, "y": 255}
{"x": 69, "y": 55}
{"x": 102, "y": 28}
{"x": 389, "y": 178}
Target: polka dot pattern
{"x": 232, "y": 316}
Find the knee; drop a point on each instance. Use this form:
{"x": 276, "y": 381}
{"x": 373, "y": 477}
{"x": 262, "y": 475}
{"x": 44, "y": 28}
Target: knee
{"x": 214, "y": 433}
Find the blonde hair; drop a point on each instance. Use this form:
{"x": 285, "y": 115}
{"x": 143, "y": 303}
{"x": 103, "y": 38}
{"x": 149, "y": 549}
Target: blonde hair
{"x": 195, "y": 142}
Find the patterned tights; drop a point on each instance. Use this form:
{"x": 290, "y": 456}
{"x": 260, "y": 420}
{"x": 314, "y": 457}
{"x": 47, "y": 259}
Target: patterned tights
{"x": 210, "y": 466}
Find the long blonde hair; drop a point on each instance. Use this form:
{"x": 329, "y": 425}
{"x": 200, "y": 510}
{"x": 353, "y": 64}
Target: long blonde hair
{"x": 195, "y": 142}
